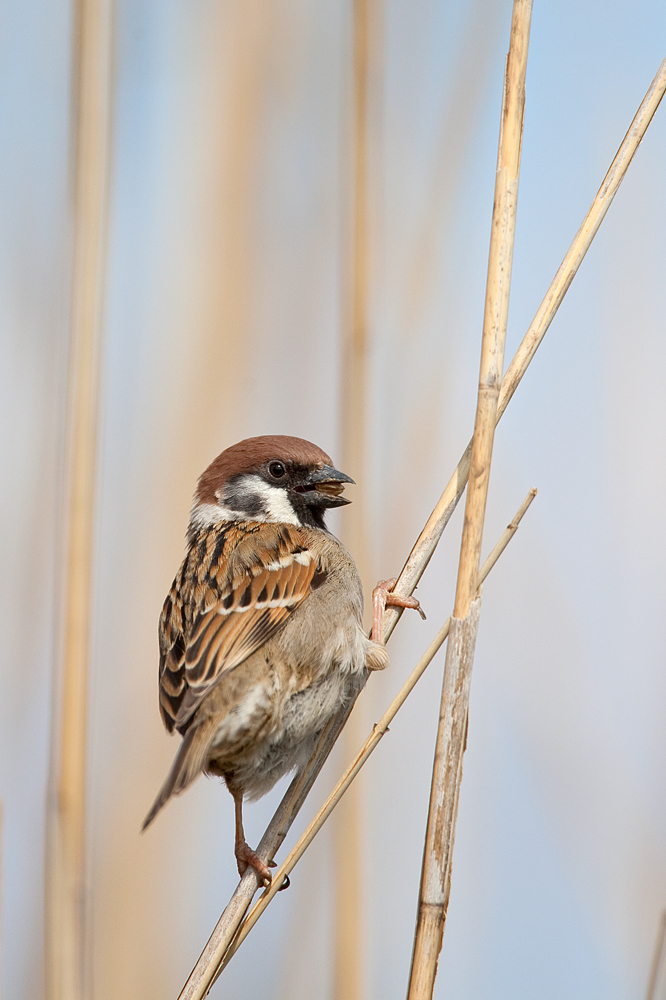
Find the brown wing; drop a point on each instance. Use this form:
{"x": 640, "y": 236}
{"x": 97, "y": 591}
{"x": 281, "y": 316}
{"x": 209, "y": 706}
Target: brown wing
{"x": 236, "y": 588}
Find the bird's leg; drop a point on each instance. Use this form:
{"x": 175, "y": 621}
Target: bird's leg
{"x": 244, "y": 854}
{"x": 381, "y": 598}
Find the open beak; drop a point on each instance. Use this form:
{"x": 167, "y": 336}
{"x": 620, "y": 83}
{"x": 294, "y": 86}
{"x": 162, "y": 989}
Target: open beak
{"x": 324, "y": 487}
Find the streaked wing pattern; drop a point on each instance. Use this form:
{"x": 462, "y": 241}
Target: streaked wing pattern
{"x": 250, "y": 579}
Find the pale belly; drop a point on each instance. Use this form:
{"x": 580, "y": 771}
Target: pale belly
{"x": 265, "y": 747}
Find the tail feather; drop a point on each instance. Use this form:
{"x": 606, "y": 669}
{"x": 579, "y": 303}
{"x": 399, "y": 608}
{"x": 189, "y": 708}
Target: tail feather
{"x": 187, "y": 766}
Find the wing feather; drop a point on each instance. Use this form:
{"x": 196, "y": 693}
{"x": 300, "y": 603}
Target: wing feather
{"x": 241, "y": 584}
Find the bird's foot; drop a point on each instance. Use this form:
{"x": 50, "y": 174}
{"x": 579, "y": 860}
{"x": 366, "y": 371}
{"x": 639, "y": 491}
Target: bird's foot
{"x": 383, "y": 598}
{"x": 246, "y": 856}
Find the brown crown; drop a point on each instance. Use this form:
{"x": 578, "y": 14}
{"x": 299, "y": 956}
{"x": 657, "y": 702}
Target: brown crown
{"x": 252, "y": 453}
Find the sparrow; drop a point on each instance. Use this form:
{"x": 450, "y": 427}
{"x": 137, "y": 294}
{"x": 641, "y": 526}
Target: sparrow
{"x": 260, "y": 637}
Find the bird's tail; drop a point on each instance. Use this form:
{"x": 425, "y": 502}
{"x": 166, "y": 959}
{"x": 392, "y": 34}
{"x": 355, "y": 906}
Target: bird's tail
{"x": 187, "y": 766}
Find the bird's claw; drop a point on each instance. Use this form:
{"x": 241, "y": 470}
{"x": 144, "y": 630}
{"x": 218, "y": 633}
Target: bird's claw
{"x": 382, "y": 597}
{"x": 286, "y": 881}
{"x": 246, "y": 856}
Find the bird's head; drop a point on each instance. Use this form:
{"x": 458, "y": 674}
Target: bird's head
{"x": 273, "y": 478}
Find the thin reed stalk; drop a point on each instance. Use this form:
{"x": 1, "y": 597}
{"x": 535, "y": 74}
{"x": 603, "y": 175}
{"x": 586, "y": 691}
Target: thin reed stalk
{"x": 427, "y": 541}
{"x": 373, "y": 740}
{"x": 202, "y": 975}
{"x": 500, "y": 261}
{"x": 452, "y": 727}
{"x": 65, "y": 967}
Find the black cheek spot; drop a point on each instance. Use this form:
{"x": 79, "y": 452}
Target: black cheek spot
{"x": 240, "y": 498}
{"x": 252, "y": 505}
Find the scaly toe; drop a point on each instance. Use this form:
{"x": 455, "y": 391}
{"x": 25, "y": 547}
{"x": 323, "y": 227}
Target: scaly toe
{"x": 405, "y": 602}
{"x": 246, "y": 856}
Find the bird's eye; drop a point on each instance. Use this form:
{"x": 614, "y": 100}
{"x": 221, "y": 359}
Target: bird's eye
{"x": 277, "y": 470}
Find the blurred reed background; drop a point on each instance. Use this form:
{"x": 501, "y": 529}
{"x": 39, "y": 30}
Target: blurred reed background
{"x": 232, "y": 247}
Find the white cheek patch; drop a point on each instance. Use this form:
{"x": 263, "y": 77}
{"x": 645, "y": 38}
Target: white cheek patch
{"x": 249, "y": 499}
{"x": 205, "y": 515}
{"x": 276, "y": 503}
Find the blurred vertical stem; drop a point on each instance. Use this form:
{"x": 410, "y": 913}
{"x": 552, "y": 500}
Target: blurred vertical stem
{"x": 65, "y": 872}
{"x": 452, "y": 730}
{"x": 348, "y": 949}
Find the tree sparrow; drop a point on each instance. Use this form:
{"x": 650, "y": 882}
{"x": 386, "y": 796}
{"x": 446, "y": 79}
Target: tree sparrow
{"x": 260, "y": 636}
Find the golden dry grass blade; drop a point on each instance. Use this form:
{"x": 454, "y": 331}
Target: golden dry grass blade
{"x": 452, "y": 726}
{"x": 500, "y": 260}
{"x": 66, "y": 820}
{"x": 445, "y": 791}
{"x": 427, "y": 541}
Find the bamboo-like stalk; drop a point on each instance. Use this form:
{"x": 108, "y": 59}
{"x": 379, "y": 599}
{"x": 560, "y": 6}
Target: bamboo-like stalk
{"x": 348, "y": 950}
{"x": 202, "y": 975}
{"x": 65, "y": 967}
{"x": 452, "y": 727}
{"x": 445, "y": 790}
{"x": 427, "y": 541}
{"x": 657, "y": 958}
{"x": 500, "y": 260}
{"x": 373, "y": 740}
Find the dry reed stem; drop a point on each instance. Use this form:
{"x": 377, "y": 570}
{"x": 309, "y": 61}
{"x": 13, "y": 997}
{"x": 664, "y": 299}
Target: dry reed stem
{"x": 657, "y": 958}
{"x": 452, "y": 726}
{"x": 66, "y": 825}
{"x": 201, "y": 977}
{"x": 378, "y": 731}
{"x": 445, "y": 791}
{"x": 500, "y": 260}
{"x": 427, "y": 541}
